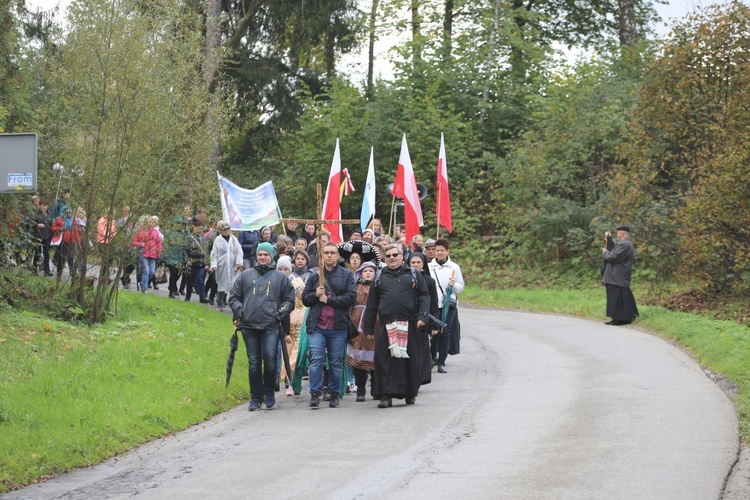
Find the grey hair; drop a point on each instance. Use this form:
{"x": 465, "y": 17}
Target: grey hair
{"x": 396, "y": 246}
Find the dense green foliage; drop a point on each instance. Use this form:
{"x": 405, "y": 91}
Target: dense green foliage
{"x": 543, "y": 155}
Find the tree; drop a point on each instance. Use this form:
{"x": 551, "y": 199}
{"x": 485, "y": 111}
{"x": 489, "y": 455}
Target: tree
{"x": 129, "y": 101}
{"x": 687, "y": 130}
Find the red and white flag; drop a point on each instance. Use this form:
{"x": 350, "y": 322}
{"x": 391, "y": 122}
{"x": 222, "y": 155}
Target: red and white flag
{"x": 332, "y": 202}
{"x": 405, "y": 186}
{"x": 443, "y": 207}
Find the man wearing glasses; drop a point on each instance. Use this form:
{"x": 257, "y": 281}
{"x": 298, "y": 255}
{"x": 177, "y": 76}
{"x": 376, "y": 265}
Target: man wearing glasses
{"x": 400, "y": 298}
{"x": 327, "y": 323}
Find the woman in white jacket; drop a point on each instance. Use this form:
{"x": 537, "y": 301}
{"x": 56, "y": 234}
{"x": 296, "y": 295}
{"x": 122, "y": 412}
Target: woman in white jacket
{"x": 226, "y": 262}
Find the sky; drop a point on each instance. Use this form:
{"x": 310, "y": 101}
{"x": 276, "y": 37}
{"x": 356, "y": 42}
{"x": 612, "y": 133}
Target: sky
{"x": 356, "y": 64}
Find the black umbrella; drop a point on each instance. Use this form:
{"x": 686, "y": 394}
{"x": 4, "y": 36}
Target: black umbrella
{"x": 366, "y": 250}
{"x": 233, "y": 342}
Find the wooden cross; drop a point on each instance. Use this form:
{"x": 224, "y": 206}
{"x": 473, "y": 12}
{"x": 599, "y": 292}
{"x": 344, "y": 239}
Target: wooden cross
{"x": 319, "y": 223}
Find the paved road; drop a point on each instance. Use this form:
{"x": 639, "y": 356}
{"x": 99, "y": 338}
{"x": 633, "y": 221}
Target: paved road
{"x": 535, "y": 406}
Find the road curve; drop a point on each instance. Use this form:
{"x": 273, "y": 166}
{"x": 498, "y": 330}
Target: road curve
{"x": 535, "y": 406}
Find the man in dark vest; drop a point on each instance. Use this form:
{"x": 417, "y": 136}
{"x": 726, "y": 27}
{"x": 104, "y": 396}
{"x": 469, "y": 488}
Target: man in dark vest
{"x": 618, "y": 268}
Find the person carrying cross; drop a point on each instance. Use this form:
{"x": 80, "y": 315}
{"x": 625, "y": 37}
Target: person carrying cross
{"x": 327, "y": 323}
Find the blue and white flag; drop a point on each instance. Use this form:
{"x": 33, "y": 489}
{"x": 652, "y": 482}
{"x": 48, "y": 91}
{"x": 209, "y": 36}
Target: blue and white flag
{"x": 248, "y": 209}
{"x": 368, "y": 201}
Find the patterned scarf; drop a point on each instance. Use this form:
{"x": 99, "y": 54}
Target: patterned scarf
{"x": 398, "y": 337}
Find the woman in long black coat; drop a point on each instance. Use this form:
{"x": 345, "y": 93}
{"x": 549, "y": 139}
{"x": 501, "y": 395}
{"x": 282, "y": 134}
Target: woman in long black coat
{"x": 418, "y": 261}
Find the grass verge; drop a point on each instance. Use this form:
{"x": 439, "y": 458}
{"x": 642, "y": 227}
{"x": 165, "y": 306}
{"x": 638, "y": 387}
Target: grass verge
{"x": 721, "y": 346}
{"x": 73, "y": 395}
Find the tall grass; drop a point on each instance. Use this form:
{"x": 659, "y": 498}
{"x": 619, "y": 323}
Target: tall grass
{"x": 71, "y": 396}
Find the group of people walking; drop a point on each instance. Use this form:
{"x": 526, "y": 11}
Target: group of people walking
{"x": 363, "y": 317}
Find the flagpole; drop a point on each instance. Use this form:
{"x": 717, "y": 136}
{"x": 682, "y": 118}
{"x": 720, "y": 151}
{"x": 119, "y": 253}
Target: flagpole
{"x": 439, "y": 199}
{"x": 390, "y": 218}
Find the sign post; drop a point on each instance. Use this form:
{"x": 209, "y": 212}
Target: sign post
{"x": 18, "y": 163}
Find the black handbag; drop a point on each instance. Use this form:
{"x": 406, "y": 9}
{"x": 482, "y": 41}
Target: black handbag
{"x": 352, "y": 331}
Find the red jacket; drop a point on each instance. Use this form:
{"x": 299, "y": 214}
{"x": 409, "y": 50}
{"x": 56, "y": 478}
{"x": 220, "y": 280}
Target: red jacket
{"x": 70, "y": 235}
{"x": 149, "y": 241}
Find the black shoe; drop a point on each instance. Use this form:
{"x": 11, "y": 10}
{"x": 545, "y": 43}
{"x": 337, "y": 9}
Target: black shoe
{"x": 441, "y": 368}
{"x": 126, "y": 286}
{"x": 615, "y": 322}
{"x": 156, "y": 287}
{"x": 211, "y": 301}
{"x": 410, "y": 400}
{"x": 270, "y": 402}
{"x": 254, "y": 405}
{"x": 171, "y": 295}
{"x": 610, "y": 322}
{"x": 187, "y": 299}
{"x": 181, "y": 292}
{"x": 360, "y": 396}
{"x": 204, "y": 301}
{"x": 334, "y": 403}
{"x": 314, "y": 401}
{"x": 385, "y": 402}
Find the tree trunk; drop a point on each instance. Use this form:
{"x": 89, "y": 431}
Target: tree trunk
{"x": 627, "y": 22}
{"x": 448, "y": 31}
{"x": 213, "y": 56}
{"x": 371, "y": 54}
{"x": 416, "y": 27}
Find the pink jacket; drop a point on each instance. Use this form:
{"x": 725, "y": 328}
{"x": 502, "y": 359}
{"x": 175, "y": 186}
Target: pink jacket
{"x": 149, "y": 241}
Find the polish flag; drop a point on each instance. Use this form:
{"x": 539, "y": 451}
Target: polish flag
{"x": 332, "y": 201}
{"x": 405, "y": 187}
{"x": 443, "y": 208}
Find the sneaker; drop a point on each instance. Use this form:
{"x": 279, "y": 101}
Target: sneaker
{"x": 385, "y": 402}
{"x": 289, "y": 391}
{"x": 254, "y": 405}
{"x": 270, "y": 402}
{"x": 204, "y": 301}
{"x": 334, "y": 402}
{"x": 314, "y": 401}
{"x": 326, "y": 395}
{"x": 441, "y": 368}
{"x": 360, "y": 396}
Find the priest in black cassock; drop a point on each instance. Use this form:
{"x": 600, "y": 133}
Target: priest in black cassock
{"x": 618, "y": 269}
{"x": 399, "y": 296}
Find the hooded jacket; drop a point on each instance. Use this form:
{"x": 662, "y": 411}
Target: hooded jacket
{"x": 261, "y": 298}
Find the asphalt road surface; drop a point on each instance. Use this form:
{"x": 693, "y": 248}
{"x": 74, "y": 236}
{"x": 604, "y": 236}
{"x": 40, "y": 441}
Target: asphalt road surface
{"x": 535, "y": 406}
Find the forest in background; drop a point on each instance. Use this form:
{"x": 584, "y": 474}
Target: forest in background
{"x": 147, "y": 98}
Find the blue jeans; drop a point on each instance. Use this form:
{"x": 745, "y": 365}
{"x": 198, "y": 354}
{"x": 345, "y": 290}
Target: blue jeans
{"x": 261, "y": 347}
{"x": 148, "y": 268}
{"x": 197, "y": 276}
{"x": 334, "y": 341}
{"x": 444, "y": 339}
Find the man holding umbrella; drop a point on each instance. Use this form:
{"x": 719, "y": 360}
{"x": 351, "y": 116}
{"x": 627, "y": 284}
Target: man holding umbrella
{"x": 450, "y": 282}
{"x": 260, "y": 298}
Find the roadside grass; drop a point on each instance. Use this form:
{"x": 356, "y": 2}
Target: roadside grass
{"x": 719, "y": 345}
{"x": 73, "y": 395}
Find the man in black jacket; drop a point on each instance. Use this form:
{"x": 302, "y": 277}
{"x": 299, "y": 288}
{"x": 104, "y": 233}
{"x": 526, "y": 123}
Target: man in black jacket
{"x": 401, "y": 299}
{"x": 260, "y": 298}
{"x": 327, "y": 323}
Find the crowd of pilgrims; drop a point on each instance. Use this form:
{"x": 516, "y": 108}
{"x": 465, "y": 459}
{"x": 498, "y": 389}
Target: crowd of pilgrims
{"x": 205, "y": 258}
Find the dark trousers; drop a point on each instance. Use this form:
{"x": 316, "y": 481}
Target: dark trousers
{"x": 441, "y": 342}
{"x": 45, "y": 256}
{"x": 196, "y": 277}
{"x": 211, "y": 286}
{"x": 174, "y": 275}
{"x": 261, "y": 347}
